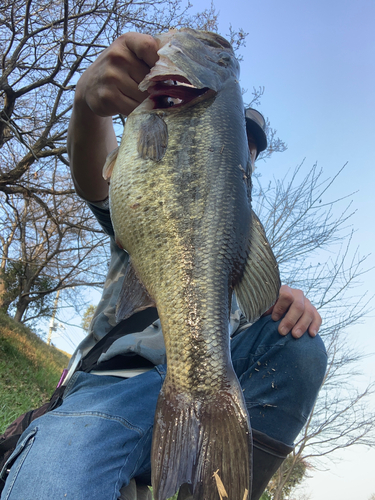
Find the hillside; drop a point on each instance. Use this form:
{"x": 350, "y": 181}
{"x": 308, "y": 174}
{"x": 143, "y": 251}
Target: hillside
{"x": 29, "y": 370}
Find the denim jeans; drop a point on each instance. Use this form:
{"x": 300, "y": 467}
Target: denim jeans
{"x": 100, "y": 437}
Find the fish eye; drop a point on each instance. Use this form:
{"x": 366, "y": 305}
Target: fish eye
{"x": 168, "y": 102}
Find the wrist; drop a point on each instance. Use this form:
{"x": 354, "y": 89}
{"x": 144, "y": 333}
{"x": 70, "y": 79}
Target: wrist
{"x": 81, "y": 109}
{"x": 85, "y": 124}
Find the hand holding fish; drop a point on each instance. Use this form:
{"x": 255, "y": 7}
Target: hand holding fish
{"x": 110, "y": 85}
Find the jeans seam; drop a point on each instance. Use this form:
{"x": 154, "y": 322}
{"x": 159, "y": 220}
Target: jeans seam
{"x": 149, "y": 430}
{"x": 132, "y": 473}
{"x": 70, "y": 384}
{"x": 160, "y": 370}
{"x": 105, "y": 416}
{"x": 25, "y": 451}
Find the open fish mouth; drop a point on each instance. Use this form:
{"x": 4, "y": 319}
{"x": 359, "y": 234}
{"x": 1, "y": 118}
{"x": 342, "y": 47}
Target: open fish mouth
{"x": 173, "y": 91}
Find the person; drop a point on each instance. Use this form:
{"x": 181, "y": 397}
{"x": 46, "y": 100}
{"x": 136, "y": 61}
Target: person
{"x": 97, "y": 443}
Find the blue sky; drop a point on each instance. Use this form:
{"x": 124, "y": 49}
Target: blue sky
{"x": 316, "y": 62}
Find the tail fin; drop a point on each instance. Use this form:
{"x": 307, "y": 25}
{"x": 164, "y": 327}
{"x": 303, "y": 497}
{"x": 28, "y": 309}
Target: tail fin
{"x": 205, "y": 443}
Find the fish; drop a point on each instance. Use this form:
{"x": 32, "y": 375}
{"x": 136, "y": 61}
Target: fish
{"x": 180, "y": 204}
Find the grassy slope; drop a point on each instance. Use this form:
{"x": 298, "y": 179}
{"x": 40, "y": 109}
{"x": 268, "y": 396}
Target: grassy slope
{"x": 29, "y": 370}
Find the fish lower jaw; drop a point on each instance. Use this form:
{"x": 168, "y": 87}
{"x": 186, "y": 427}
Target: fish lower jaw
{"x": 172, "y": 92}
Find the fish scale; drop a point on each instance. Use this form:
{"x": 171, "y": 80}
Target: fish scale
{"x": 180, "y": 206}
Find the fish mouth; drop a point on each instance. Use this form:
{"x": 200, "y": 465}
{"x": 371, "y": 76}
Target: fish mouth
{"x": 173, "y": 91}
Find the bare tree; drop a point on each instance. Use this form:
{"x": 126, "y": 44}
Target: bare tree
{"x": 312, "y": 240}
{"x": 51, "y": 253}
{"x": 49, "y": 242}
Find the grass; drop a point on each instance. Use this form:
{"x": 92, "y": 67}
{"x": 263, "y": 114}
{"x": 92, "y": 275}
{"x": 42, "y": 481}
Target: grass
{"x": 29, "y": 370}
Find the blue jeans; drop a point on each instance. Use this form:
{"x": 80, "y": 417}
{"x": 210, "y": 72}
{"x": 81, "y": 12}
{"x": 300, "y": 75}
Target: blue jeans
{"x": 100, "y": 437}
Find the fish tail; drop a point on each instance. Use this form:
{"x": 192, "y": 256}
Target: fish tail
{"x": 205, "y": 443}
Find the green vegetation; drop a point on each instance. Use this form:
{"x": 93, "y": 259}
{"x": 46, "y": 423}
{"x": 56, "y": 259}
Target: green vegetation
{"x": 265, "y": 496}
{"x": 87, "y": 317}
{"x": 172, "y": 498}
{"x": 29, "y": 370}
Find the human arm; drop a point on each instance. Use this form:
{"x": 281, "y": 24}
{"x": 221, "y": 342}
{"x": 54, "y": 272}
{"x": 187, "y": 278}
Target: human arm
{"x": 108, "y": 87}
{"x": 300, "y": 314}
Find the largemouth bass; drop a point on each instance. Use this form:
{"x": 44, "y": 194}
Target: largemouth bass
{"x": 180, "y": 202}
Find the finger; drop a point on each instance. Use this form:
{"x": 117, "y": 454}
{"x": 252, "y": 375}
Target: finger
{"x": 310, "y": 321}
{"x": 315, "y": 325}
{"x": 109, "y": 101}
{"x": 295, "y": 312}
{"x": 144, "y": 47}
{"x": 304, "y": 321}
{"x": 140, "y": 54}
{"x": 286, "y": 298}
{"x": 110, "y": 84}
{"x": 124, "y": 71}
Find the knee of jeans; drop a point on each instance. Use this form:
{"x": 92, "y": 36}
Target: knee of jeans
{"x": 308, "y": 357}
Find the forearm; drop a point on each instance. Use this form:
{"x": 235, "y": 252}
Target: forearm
{"x": 108, "y": 87}
{"x": 90, "y": 139}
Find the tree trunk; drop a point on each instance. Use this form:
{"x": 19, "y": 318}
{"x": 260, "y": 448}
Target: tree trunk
{"x": 278, "y": 493}
{"x": 21, "y": 308}
{"x": 52, "y": 323}
{"x": 4, "y": 303}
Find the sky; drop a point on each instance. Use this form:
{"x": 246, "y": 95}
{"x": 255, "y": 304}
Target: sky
{"x": 315, "y": 60}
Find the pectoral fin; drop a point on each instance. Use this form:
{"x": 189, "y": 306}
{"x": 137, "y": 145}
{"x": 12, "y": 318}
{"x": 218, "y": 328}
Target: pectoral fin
{"x": 259, "y": 286}
{"x": 133, "y": 296}
{"x": 152, "y": 138}
{"x": 109, "y": 164}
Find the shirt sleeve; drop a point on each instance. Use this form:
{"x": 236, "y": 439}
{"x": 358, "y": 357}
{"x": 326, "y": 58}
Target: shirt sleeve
{"x": 102, "y": 215}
